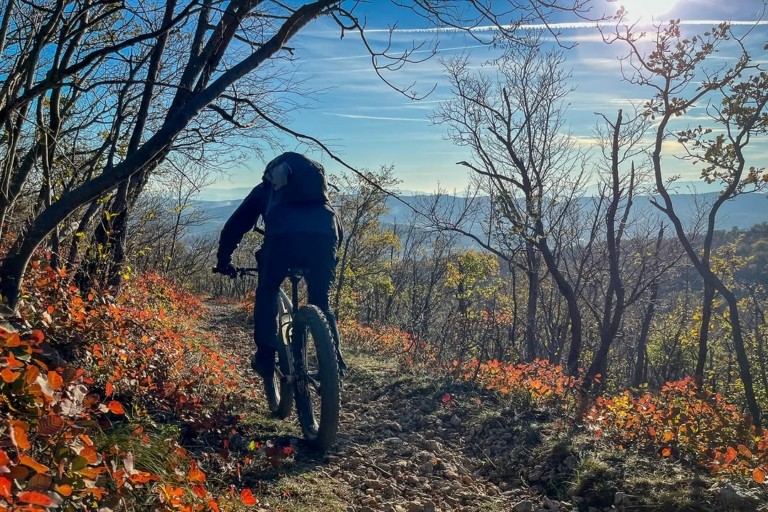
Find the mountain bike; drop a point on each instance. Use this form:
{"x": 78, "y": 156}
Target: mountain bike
{"x": 306, "y": 370}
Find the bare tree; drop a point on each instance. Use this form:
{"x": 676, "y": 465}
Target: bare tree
{"x": 677, "y": 73}
{"x": 514, "y": 126}
{"x": 67, "y": 48}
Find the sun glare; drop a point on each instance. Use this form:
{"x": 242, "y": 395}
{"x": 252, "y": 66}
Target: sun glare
{"x": 646, "y": 10}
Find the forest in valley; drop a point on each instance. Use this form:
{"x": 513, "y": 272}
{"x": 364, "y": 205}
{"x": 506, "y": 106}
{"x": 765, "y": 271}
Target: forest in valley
{"x": 564, "y": 281}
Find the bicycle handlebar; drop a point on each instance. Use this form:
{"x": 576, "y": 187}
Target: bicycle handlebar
{"x": 237, "y": 271}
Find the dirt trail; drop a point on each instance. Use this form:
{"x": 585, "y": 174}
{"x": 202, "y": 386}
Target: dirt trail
{"x": 405, "y": 444}
{"x": 413, "y": 442}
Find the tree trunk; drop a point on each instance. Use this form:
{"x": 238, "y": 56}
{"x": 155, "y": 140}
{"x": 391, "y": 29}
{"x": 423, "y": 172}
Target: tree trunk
{"x": 706, "y": 318}
{"x": 741, "y": 355}
{"x": 533, "y": 298}
{"x": 639, "y": 375}
{"x": 574, "y": 314}
{"x": 154, "y": 149}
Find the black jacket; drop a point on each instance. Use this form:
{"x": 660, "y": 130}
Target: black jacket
{"x": 282, "y": 218}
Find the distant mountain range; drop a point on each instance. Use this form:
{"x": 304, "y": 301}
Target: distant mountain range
{"x": 742, "y": 212}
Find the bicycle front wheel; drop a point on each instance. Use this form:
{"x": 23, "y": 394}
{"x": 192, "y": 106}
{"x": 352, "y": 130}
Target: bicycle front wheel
{"x": 317, "y": 374}
{"x": 280, "y": 389}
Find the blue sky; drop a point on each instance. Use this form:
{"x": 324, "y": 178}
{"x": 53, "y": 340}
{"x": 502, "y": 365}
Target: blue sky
{"x": 368, "y": 124}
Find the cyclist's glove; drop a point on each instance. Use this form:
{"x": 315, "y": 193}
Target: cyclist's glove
{"x": 225, "y": 268}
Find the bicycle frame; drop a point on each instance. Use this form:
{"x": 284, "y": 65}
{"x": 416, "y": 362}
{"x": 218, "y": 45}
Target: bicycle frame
{"x": 292, "y": 369}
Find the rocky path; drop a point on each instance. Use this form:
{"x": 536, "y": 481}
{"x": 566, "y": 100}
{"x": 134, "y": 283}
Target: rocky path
{"x": 411, "y": 442}
{"x": 406, "y": 443}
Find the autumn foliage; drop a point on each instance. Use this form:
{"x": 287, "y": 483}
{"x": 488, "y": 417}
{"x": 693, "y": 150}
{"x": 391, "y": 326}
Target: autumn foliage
{"x": 388, "y": 341}
{"x": 539, "y": 382}
{"x": 83, "y": 436}
{"x": 681, "y": 421}
{"x": 684, "y": 422}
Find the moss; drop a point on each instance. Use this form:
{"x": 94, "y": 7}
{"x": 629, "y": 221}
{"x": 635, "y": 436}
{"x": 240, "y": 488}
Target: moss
{"x": 595, "y": 481}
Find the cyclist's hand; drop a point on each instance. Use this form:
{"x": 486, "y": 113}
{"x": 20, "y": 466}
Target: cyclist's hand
{"x": 226, "y": 269}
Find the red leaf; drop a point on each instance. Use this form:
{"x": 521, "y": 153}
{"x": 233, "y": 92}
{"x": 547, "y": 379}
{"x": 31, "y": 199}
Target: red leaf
{"x": 5, "y": 488}
{"x": 248, "y": 498}
{"x": 35, "y": 498}
{"x": 108, "y": 389}
{"x": 758, "y": 475}
{"x": 115, "y": 407}
{"x": 50, "y": 424}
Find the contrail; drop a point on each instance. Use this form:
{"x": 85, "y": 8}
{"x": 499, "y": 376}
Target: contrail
{"x": 378, "y": 118}
{"x": 552, "y": 26}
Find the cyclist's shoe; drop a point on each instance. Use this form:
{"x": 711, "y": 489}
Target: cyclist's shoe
{"x": 263, "y": 363}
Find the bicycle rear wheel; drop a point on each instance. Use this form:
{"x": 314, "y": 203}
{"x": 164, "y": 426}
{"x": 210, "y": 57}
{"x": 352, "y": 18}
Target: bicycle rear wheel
{"x": 280, "y": 390}
{"x": 317, "y": 374}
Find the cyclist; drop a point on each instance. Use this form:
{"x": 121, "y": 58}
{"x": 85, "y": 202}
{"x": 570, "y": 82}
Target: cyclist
{"x": 298, "y": 233}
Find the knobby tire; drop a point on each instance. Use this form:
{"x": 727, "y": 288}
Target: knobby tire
{"x": 311, "y": 333}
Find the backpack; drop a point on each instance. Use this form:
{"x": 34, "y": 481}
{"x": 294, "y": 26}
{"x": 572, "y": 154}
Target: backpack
{"x": 296, "y": 179}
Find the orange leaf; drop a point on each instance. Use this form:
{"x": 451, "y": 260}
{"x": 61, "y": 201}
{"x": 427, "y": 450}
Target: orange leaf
{"x": 9, "y": 376}
{"x": 248, "y": 498}
{"x": 195, "y": 475}
{"x": 745, "y": 451}
{"x": 12, "y": 340}
{"x": 55, "y": 380}
{"x": 4, "y": 459}
{"x": 108, "y": 389}
{"x": 142, "y": 477}
{"x": 19, "y": 438}
{"x": 115, "y": 407}
{"x": 213, "y": 505}
{"x": 65, "y": 490}
{"x": 90, "y": 454}
{"x": 758, "y": 475}
{"x": 199, "y": 491}
{"x": 32, "y": 463}
{"x": 35, "y": 498}
{"x": 92, "y": 473}
{"x": 666, "y": 451}
{"x": 730, "y": 454}
{"x": 668, "y": 436}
